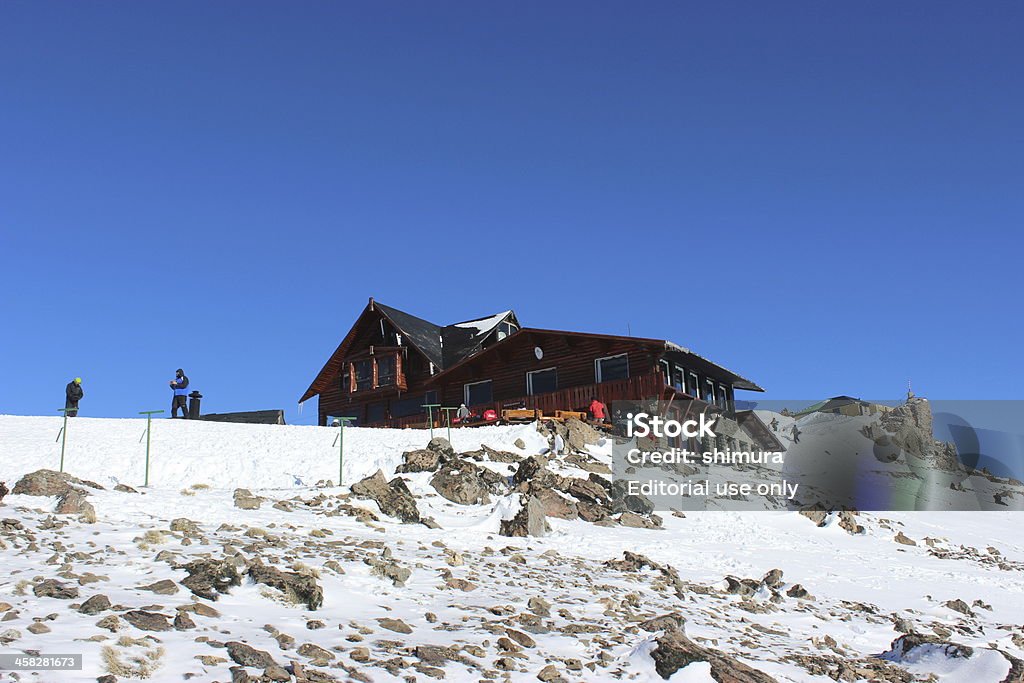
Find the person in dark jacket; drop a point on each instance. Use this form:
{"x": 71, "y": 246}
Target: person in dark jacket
{"x": 180, "y": 386}
{"x": 74, "y": 394}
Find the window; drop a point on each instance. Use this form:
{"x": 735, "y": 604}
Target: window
{"x": 386, "y": 371}
{"x": 505, "y": 329}
{"x": 709, "y": 391}
{"x": 678, "y": 379}
{"x": 541, "y": 381}
{"x": 666, "y": 371}
{"x": 693, "y": 385}
{"x": 407, "y": 406}
{"x": 478, "y": 393}
{"x": 364, "y": 374}
{"x": 611, "y": 368}
{"x": 430, "y": 398}
{"x": 723, "y": 397}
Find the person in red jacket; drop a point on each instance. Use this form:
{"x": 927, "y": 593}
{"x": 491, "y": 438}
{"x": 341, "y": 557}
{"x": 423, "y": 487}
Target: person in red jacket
{"x": 598, "y": 410}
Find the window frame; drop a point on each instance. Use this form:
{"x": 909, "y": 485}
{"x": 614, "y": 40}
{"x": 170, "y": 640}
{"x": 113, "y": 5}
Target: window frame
{"x": 529, "y": 380}
{"x": 467, "y": 385}
{"x": 597, "y": 367}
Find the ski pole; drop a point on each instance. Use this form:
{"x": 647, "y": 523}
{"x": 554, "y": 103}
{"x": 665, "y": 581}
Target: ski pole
{"x": 149, "y": 424}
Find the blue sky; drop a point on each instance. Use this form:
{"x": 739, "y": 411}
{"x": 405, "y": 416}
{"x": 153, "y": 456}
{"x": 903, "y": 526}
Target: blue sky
{"x": 825, "y": 197}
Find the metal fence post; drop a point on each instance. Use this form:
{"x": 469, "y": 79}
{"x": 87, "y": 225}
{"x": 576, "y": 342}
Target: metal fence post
{"x": 340, "y": 440}
{"x": 430, "y": 415}
{"x": 149, "y": 428}
{"x": 63, "y": 435}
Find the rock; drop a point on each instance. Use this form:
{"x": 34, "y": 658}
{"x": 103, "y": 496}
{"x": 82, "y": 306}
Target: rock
{"x": 539, "y": 606}
{"x": 529, "y": 521}
{"x": 631, "y": 519}
{"x": 520, "y": 444}
{"x": 163, "y": 587}
{"x": 579, "y": 435}
{"x": 38, "y": 628}
{"x": 622, "y": 501}
{"x": 183, "y": 622}
{"x": 902, "y": 646}
{"x": 460, "y": 584}
{"x": 676, "y": 651}
{"x": 959, "y": 606}
{"x": 441, "y": 446}
{"x": 73, "y": 502}
{"x": 388, "y": 568}
{"x": 520, "y": 638}
{"x": 798, "y": 591}
{"x": 50, "y": 483}
{"x": 95, "y": 605}
{"x": 9, "y": 636}
{"x": 301, "y": 587}
{"x": 529, "y": 469}
{"x": 773, "y": 578}
{"x": 147, "y": 621}
{"x": 110, "y": 622}
{"x": 107, "y": 678}
{"x": 396, "y": 625}
{"x": 360, "y": 654}
{"x": 557, "y": 505}
{"x": 461, "y": 482}
{"x": 124, "y": 488}
{"x": 902, "y": 539}
{"x": 52, "y": 588}
{"x": 319, "y": 655}
{"x": 422, "y": 460}
{"x": 246, "y": 655}
{"x": 208, "y": 578}
{"x": 393, "y": 498}
{"x": 184, "y": 525}
{"x": 666, "y": 622}
{"x": 276, "y": 673}
{"x": 246, "y": 501}
{"x": 549, "y": 674}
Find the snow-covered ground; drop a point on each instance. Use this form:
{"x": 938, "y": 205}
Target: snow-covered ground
{"x": 860, "y": 585}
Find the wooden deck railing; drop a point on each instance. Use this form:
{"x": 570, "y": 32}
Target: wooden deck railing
{"x": 571, "y": 398}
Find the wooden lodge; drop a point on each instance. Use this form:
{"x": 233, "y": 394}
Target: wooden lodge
{"x": 391, "y": 363}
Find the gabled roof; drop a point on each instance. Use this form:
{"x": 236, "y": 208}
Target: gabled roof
{"x": 442, "y": 346}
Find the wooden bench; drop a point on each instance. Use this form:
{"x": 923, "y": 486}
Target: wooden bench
{"x": 517, "y": 414}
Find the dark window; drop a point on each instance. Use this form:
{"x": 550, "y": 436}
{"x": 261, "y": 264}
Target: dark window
{"x": 407, "y": 406}
{"x": 478, "y": 393}
{"x": 364, "y": 374}
{"x": 692, "y": 384}
{"x": 709, "y": 391}
{"x": 375, "y": 412}
{"x": 430, "y": 398}
{"x": 678, "y": 379}
{"x": 385, "y": 371}
{"x": 346, "y": 385}
{"x": 611, "y": 368}
{"x": 541, "y": 381}
{"x": 666, "y": 372}
{"x": 722, "y": 397}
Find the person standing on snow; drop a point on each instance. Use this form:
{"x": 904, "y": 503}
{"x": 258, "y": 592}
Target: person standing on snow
{"x": 775, "y": 424}
{"x": 180, "y": 385}
{"x": 796, "y": 434}
{"x": 74, "y": 394}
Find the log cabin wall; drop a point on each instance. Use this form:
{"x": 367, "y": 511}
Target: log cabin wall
{"x": 573, "y": 357}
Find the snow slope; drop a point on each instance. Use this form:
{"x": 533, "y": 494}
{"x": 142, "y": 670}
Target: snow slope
{"x": 860, "y": 584}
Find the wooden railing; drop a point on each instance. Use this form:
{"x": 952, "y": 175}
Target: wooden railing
{"x": 572, "y": 398}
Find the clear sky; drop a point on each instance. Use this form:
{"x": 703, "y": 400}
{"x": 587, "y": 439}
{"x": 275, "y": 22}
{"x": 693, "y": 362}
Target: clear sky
{"x": 825, "y": 197}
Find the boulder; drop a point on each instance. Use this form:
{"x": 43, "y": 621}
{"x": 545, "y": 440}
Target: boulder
{"x": 52, "y": 588}
{"x": 163, "y": 587}
{"x": 461, "y": 482}
{"x": 579, "y": 434}
{"x": 246, "y": 655}
{"x": 49, "y": 483}
{"x": 676, "y": 651}
{"x": 95, "y": 605}
{"x": 440, "y": 445}
{"x": 301, "y": 587}
{"x": 423, "y": 460}
{"x": 393, "y": 498}
{"x": 147, "y": 621}
{"x": 208, "y": 578}
{"x": 73, "y": 502}
{"x": 557, "y": 505}
{"x": 245, "y": 500}
{"x": 529, "y": 521}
